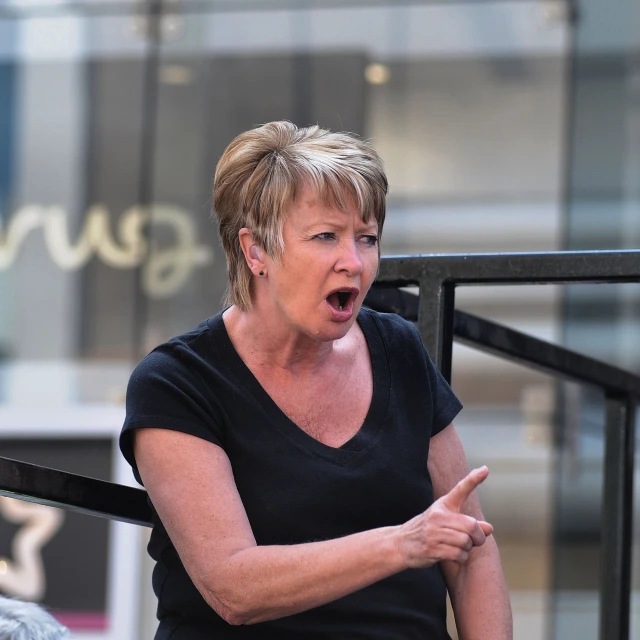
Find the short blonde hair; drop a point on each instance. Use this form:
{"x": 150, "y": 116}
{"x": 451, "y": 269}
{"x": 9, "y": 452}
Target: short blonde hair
{"x": 261, "y": 173}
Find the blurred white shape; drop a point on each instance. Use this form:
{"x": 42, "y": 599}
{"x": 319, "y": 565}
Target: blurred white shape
{"x": 172, "y": 26}
{"x": 35, "y": 3}
{"x": 377, "y": 73}
{"x": 453, "y": 227}
{"x": 176, "y": 74}
{"x": 387, "y": 32}
{"x": 491, "y": 28}
{"x": 163, "y": 272}
{"x": 554, "y": 12}
{"x": 46, "y": 38}
{"x": 37, "y": 420}
{"x": 24, "y": 575}
{"x": 40, "y": 384}
{"x": 537, "y": 403}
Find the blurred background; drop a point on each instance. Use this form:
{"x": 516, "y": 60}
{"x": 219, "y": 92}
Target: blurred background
{"x": 505, "y": 126}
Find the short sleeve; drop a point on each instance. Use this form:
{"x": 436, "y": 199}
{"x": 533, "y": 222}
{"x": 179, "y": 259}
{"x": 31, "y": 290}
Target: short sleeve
{"x": 165, "y": 392}
{"x": 446, "y": 405}
{"x": 416, "y": 370}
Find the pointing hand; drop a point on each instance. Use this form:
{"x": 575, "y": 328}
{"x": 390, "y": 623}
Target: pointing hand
{"x": 442, "y": 532}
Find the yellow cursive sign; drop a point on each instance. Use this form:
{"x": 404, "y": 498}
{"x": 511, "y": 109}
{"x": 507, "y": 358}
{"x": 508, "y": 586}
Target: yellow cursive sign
{"x": 163, "y": 269}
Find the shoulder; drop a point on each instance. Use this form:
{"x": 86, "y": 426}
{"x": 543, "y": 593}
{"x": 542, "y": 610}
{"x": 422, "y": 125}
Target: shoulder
{"x": 186, "y": 366}
{"x": 177, "y": 387}
{"x": 394, "y": 329}
{"x": 402, "y": 342}
{"x": 181, "y": 354}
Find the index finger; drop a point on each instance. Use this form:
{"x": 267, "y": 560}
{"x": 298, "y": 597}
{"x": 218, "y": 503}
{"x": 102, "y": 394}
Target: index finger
{"x": 458, "y": 495}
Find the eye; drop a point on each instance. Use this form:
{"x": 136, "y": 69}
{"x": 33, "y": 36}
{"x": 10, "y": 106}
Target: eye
{"x": 327, "y": 235}
{"x": 371, "y": 240}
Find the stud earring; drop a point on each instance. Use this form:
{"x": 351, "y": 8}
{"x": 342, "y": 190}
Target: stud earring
{"x": 261, "y": 273}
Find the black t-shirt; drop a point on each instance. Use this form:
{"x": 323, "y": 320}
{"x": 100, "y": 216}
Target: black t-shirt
{"x": 296, "y": 489}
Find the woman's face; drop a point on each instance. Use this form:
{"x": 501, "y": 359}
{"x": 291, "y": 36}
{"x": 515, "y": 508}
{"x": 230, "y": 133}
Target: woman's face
{"x": 329, "y": 262}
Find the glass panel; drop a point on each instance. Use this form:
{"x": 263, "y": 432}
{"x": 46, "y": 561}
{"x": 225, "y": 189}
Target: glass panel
{"x": 439, "y": 89}
{"x": 509, "y": 424}
{"x": 63, "y": 147}
{"x": 603, "y": 212}
{"x": 578, "y": 502}
{"x": 465, "y": 103}
{"x": 108, "y": 143}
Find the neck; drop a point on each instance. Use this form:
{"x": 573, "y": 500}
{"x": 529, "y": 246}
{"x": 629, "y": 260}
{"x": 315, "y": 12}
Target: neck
{"x": 262, "y": 339}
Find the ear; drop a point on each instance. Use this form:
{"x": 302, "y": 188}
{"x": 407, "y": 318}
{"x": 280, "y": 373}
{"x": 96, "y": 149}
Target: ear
{"x": 253, "y": 254}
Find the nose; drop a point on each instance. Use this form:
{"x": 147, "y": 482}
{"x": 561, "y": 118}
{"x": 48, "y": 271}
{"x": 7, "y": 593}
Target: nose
{"x": 349, "y": 259}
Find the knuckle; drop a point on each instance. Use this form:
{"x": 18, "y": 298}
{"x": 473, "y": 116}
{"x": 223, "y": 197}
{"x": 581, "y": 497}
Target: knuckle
{"x": 472, "y": 527}
{"x": 481, "y": 541}
{"x": 436, "y": 517}
{"x": 461, "y": 556}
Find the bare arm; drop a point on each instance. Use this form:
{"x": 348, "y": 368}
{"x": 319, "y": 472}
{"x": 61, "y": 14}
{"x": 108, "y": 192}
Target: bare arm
{"x": 191, "y": 485}
{"x": 477, "y": 587}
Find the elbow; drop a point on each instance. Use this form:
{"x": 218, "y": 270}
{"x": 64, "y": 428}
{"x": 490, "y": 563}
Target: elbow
{"x": 232, "y": 611}
{"x": 234, "y": 617}
{"x": 237, "y": 616}
{"x": 234, "y": 598}
{"x": 233, "y": 608}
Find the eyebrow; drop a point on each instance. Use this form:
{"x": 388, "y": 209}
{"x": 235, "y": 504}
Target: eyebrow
{"x": 368, "y": 227}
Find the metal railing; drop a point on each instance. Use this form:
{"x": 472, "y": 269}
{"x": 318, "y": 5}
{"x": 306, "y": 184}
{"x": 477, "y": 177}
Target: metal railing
{"x": 439, "y": 323}
{"x": 437, "y": 277}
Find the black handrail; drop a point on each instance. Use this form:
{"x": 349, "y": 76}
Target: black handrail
{"x": 437, "y": 277}
{"x": 74, "y": 492}
{"x": 499, "y": 340}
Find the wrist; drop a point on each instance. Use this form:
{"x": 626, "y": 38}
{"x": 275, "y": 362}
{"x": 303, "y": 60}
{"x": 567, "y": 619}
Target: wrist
{"x": 395, "y": 537}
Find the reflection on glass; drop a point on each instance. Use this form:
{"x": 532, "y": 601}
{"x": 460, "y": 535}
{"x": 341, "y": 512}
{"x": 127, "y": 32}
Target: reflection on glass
{"x": 23, "y": 576}
{"x": 602, "y": 213}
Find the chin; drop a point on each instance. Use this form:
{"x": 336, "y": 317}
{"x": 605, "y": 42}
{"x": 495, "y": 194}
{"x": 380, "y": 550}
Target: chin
{"x": 337, "y": 330}
{"x": 325, "y": 329}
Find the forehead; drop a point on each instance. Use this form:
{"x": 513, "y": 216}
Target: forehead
{"x": 309, "y": 208}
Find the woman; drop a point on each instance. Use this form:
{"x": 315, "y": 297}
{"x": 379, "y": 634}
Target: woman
{"x": 298, "y": 448}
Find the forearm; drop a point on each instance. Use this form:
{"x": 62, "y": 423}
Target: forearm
{"x": 266, "y": 582}
{"x": 479, "y": 595}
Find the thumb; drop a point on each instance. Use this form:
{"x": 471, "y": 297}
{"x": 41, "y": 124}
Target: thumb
{"x": 486, "y": 527}
{"x": 458, "y": 495}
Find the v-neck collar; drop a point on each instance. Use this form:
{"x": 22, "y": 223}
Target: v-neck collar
{"x": 373, "y": 423}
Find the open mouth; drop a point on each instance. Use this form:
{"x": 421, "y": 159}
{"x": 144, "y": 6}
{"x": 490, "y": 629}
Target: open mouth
{"x": 340, "y": 299}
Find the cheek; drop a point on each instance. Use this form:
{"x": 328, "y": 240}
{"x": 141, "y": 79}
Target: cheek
{"x": 373, "y": 262}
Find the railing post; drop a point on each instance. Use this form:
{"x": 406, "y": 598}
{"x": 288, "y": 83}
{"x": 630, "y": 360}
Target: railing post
{"x": 617, "y": 519}
{"x": 435, "y": 322}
